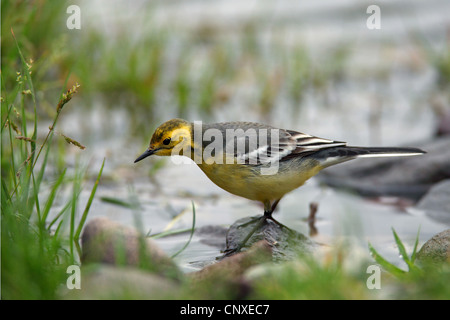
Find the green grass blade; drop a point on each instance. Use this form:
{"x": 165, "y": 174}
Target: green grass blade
{"x": 384, "y": 263}
{"x": 8, "y": 107}
{"x": 33, "y": 95}
{"x": 75, "y": 192}
{"x": 60, "y": 213}
{"x": 23, "y": 201}
{"x": 416, "y": 243}
{"x": 7, "y": 112}
{"x": 88, "y": 204}
{"x": 5, "y": 199}
{"x": 51, "y": 197}
{"x": 13, "y": 166}
{"x": 36, "y": 197}
{"x": 43, "y": 166}
{"x": 401, "y": 247}
{"x": 168, "y": 233}
{"x": 119, "y": 202}
{"x": 58, "y": 229}
{"x": 190, "y": 236}
{"x": 402, "y": 251}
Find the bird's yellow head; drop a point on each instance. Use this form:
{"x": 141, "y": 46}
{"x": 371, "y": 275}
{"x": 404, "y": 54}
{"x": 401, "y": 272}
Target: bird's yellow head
{"x": 170, "y": 138}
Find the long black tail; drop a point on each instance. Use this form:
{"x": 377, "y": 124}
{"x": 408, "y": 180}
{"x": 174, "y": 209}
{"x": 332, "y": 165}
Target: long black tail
{"x": 332, "y": 156}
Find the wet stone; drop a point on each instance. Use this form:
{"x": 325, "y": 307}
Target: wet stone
{"x": 437, "y": 249}
{"x": 108, "y": 242}
{"x": 285, "y": 243}
{"x": 105, "y": 281}
{"x": 227, "y": 274}
{"x": 406, "y": 177}
{"x": 212, "y": 235}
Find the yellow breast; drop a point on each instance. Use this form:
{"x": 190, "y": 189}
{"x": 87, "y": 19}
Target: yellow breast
{"x": 248, "y": 182}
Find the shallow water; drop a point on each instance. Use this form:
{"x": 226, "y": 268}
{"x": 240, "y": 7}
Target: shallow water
{"x": 389, "y": 108}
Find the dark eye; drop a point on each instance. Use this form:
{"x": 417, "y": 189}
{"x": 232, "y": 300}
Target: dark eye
{"x": 166, "y": 141}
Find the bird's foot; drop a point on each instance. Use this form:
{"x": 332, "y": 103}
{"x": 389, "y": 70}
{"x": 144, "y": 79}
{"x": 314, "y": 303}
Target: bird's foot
{"x": 259, "y": 222}
{"x": 252, "y": 221}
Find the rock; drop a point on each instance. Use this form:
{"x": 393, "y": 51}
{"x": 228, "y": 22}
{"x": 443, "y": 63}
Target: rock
{"x": 224, "y": 279}
{"x": 409, "y": 177}
{"x": 105, "y": 241}
{"x": 112, "y": 282}
{"x": 437, "y": 249}
{"x": 212, "y": 235}
{"x": 235, "y": 265}
{"x": 436, "y": 203}
{"x": 286, "y": 243}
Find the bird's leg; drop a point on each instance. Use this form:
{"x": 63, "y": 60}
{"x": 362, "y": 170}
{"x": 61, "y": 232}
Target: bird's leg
{"x": 268, "y": 213}
{"x": 268, "y": 210}
{"x": 252, "y": 220}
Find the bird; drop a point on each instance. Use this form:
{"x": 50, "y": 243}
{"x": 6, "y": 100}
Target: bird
{"x": 257, "y": 161}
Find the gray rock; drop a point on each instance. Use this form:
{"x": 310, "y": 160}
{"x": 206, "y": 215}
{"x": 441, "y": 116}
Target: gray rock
{"x": 212, "y": 235}
{"x": 409, "y": 177}
{"x": 105, "y": 241}
{"x": 437, "y": 249}
{"x": 112, "y": 282}
{"x": 286, "y": 243}
{"x": 224, "y": 279}
{"x": 436, "y": 203}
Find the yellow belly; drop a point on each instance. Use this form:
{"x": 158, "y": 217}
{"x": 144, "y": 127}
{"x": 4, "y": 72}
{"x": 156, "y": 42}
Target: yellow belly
{"x": 248, "y": 182}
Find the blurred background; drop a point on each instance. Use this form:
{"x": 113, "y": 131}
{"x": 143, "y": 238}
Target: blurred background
{"x": 310, "y": 66}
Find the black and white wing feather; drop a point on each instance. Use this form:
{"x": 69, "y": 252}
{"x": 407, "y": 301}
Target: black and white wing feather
{"x": 280, "y": 145}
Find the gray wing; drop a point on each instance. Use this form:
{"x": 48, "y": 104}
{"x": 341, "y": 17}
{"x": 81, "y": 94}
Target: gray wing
{"x": 254, "y": 143}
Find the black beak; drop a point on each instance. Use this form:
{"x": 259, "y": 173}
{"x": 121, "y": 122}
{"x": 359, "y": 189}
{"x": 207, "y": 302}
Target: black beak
{"x": 147, "y": 153}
